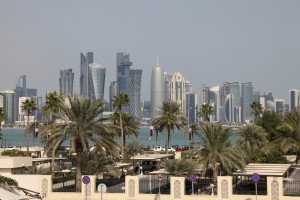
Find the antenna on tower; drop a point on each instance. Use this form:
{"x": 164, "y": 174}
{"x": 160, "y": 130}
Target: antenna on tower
{"x": 157, "y": 60}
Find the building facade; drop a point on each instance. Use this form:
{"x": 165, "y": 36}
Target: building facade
{"x": 246, "y": 100}
{"x": 66, "y": 82}
{"x": 177, "y": 88}
{"x": 112, "y": 93}
{"x": 135, "y": 81}
{"x": 8, "y": 107}
{"x": 294, "y": 99}
{"x": 123, "y": 68}
{"x": 97, "y": 81}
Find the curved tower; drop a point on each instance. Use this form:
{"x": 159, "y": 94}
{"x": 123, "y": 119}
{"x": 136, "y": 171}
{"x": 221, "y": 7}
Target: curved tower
{"x": 97, "y": 81}
{"x": 157, "y": 90}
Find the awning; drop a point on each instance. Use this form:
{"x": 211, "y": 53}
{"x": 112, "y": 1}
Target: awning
{"x": 263, "y": 170}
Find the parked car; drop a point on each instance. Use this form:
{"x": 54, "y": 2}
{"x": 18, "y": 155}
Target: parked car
{"x": 147, "y": 165}
{"x": 158, "y": 148}
{"x": 171, "y": 149}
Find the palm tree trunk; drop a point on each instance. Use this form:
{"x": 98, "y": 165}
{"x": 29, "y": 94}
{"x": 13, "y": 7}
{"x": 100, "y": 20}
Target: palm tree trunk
{"x": 167, "y": 142}
{"x": 27, "y": 134}
{"x": 78, "y": 171}
{"x": 122, "y": 134}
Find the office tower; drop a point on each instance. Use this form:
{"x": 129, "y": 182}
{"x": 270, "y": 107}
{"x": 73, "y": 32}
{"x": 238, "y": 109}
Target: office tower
{"x": 279, "y": 105}
{"x": 66, "y": 81}
{"x": 294, "y": 97}
{"x": 135, "y": 80}
{"x": 22, "y": 113}
{"x": 85, "y": 73}
{"x": 8, "y": 107}
{"x": 167, "y": 80}
{"x": 38, "y": 113}
{"x": 232, "y": 89}
{"x": 157, "y": 90}
{"x": 214, "y": 99}
{"x": 146, "y": 112}
{"x": 246, "y": 100}
{"x": 97, "y": 81}
{"x": 21, "y": 91}
{"x": 123, "y": 67}
{"x": 188, "y": 86}
{"x": 112, "y": 93}
{"x": 192, "y": 107}
{"x": 178, "y": 90}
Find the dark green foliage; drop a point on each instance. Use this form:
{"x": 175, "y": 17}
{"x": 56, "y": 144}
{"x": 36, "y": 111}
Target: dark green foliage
{"x": 269, "y": 121}
{"x": 179, "y": 167}
{"x": 275, "y": 157}
{"x": 9, "y": 181}
{"x": 13, "y": 153}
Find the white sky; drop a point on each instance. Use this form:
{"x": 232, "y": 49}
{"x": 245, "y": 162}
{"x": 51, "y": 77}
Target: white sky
{"x": 209, "y": 42}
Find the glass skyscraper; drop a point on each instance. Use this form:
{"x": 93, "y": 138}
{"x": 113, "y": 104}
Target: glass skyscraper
{"x": 66, "y": 81}
{"x": 246, "y": 99}
{"x": 123, "y": 68}
{"x": 294, "y": 96}
{"x": 97, "y": 81}
{"x": 8, "y": 107}
{"x": 135, "y": 80}
{"x": 112, "y": 94}
{"x": 85, "y": 73}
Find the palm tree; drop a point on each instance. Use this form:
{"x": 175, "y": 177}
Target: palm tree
{"x": 217, "y": 151}
{"x": 51, "y": 106}
{"x": 206, "y": 110}
{"x": 119, "y": 101}
{"x": 193, "y": 128}
{"x": 28, "y": 106}
{"x": 251, "y": 137}
{"x": 257, "y": 109}
{"x": 179, "y": 167}
{"x": 170, "y": 117}
{"x": 81, "y": 125}
{"x": 133, "y": 148}
{"x": 290, "y": 134}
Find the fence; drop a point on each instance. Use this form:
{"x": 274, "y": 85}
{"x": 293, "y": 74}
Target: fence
{"x": 291, "y": 188}
{"x": 245, "y": 186}
{"x": 114, "y": 185}
{"x": 149, "y": 184}
{"x": 64, "y": 184}
{"x": 201, "y": 186}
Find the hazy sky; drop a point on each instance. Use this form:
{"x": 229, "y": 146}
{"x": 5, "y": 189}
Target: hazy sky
{"x": 209, "y": 42}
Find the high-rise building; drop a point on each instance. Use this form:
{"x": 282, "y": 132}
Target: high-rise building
{"x": 294, "y": 98}
{"x": 157, "y": 90}
{"x": 85, "y": 73}
{"x": 135, "y": 80}
{"x": 66, "y": 81}
{"x": 97, "y": 81}
{"x": 8, "y": 107}
{"x": 123, "y": 67}
{"x": 112, "y": 93}
{"x": 192, "y": 100}
{"x": 167, "y": 80}
{"x": 178, "y": 90}
{"x": 214, "y": 99}
{"x": 188, "y": 87}
{"x": 279, "y": 105}
{"x": 22, "y": 113}
{"x": 21, "y": 91}
{"x": 233, "y": 90}
{"x": 246, "y": 101}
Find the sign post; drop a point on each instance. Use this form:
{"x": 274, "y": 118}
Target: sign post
{"x": 86, "y": 180}
{"x": 255, "y": 178}
{"x": 101, "y": 188}
{"x": 192, "y": 178}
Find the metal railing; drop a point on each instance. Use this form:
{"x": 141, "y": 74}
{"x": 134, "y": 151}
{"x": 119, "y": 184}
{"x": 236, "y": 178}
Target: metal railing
{"x": 201, "y": 186}
{"x": 149, "y": 184}
{"x": 64, "y": 185}
{"x": 113, "y": 185}
{"x": 245, "y": 186}
{"x": 291, "y": 187}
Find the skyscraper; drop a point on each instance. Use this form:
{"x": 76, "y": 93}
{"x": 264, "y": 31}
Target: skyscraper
{"x": 135, "y": 80}
{"x": 214, "y": 99}
{"x": 192, "y": 100}
{"x": 279, "y": 105}
{"x": 123, "y": 67}
{"x": 294, "y": 97}
{"x": 232, "y": 94}
{"x": 112, "y": 94}
{"x": 246, "y": 100}
{"x": 8, "y": 107}
{"x": 97, "y": 81}
{"x": 66, "y": 81}
{"x": 85, "y": 73}
{"x": 167, "y": 80}
{"x": 178, "y": 90}
{"x": 157, "y": 90}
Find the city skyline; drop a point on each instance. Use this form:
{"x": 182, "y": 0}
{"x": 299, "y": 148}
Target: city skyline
{"x": 209, "y": 42}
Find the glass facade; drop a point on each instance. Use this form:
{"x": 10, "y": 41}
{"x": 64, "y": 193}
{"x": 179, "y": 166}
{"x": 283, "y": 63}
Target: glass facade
{"x": 135, "y": 80}
{"x": 97, "y": 77}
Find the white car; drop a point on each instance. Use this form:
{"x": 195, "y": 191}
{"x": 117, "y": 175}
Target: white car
{"x": 158, "y": 148}
{"x": 171, "y": 149}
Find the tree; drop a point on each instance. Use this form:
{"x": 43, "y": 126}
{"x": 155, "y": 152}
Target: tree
{"x": 257, "y": 109}
{"x": 133, "y": 148}
{"x": 51, "y": 106}
{"x": 269, "y": 122}
{"x": 82, "y": 124}
{"x": 251, "y": 137}
{"x": 193, "y": 128}
{"x": 28, "y": 106}
{"x": 206, "y": 110}
{"x": 169, "y": 118}
{"x": 119, "y": 101}
{"x": 217, "y": 151}
{"x": 179, "y": 167}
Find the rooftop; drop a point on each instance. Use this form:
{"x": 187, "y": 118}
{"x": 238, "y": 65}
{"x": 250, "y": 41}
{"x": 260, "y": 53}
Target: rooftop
{"x": 264, "y": 170}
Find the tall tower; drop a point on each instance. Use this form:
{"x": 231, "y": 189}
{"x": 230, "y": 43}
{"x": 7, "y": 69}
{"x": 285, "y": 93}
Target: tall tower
{"x": 247, "y": 98}
{"x": 233, "y": 104}
{"x": 294, "y": 96}
{"x": 85, "y": 74}
{"x": 123, "y": 67}
{"x": 97, "y": 81}
{"x": 8, "y": 107}
{"x": 157, "y": 90}
{"x": 66, "y": 81}
{"x": 112, "y": 93}
{"x": 167, "y": 79}
{"x": 178, "y": 90}
{"x": 135, "y": 80}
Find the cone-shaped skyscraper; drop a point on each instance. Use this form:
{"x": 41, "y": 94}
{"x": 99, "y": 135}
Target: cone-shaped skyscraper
{"x": 157, "y": 90}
